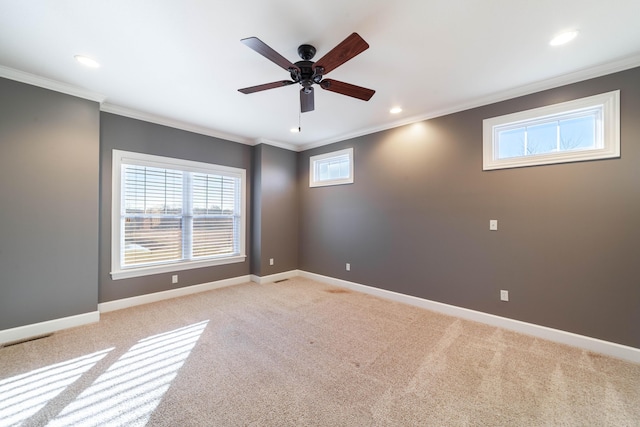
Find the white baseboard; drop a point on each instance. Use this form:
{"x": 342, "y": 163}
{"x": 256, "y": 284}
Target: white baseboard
{"x": 631, "y": 354}
{"x": 173, "y": 293}
{"x": 50, "y": 326}
{"x": 261, "y": 280}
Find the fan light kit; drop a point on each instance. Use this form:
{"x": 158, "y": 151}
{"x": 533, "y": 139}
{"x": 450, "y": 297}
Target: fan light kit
{"x": 307, "y": 73}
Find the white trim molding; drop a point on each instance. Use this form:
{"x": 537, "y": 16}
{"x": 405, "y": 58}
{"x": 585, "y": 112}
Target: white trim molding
{"x": 172, "y": 123}
{"x": 261, "y": 280}
{"x": 122, "y": 160}
{"x": 603, "y": 109}
{"x": 620, "y": 351}
{"x": 45, "y": 83}
{"x": 283, "y": 145}
{"x": 622, "y": 64}
{"x": 43, "y": 328}
{"x": 336, "y": 158}
{"x": 106, "y": 307}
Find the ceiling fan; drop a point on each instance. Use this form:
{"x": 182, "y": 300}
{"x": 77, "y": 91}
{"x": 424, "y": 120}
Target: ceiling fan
{"x": 307, "y": 73}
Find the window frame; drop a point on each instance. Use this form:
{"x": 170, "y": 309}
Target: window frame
{"x": 313, "y": 168}
{"x": 608, "y": 147}
{"x": 120, "y": 158}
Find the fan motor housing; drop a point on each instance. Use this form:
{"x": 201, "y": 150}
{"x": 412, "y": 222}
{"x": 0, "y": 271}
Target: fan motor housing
{"x": 308, "y": 75}
{"x": 306, "y": 52}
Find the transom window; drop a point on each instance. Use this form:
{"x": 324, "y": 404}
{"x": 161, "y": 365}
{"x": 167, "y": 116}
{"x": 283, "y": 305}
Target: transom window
{"x": 584, "y": 129}
{"x": 333, "y": 168}
{"x": 171, "y": 214}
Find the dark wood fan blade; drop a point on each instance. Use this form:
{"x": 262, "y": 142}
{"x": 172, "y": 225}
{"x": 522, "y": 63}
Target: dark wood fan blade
{"x": 347, "y": 89}
{"x": 347, "y": 49}
{"x": 306, "y": 100}
{"x": 252, "y": 89}
{"x": 263, "y": 49}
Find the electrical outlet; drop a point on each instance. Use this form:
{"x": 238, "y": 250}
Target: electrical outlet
{"x": 174, "y": 278}
{"x": 504, "y": 295}
{"x": 493, "y": 224}
{"x": 348, "y": 267}
{"x": 270, "y": 261}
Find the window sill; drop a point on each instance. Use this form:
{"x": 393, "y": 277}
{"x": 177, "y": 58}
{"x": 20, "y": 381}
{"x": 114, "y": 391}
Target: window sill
{"x": 550, "y": 159}
{"x": 333, "y": 182}
{"x": 172, "y": 267}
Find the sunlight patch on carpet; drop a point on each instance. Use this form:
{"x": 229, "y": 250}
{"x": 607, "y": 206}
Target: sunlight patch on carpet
{"x": 130, "y": 390}
{"x": 24, "y": 395}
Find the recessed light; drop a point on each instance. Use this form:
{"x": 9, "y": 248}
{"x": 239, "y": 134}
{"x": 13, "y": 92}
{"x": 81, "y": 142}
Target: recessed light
{"x": 86, "y": 61}
{"x": 294, "y": 130}
{"x": 395, "y": 110}
{"x": 563, "y": 38}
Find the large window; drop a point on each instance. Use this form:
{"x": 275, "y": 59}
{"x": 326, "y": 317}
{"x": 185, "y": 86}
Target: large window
{"x": 333, "y": 168}
{"x": 583, "y": 129}
{"x": 171, "y": 214}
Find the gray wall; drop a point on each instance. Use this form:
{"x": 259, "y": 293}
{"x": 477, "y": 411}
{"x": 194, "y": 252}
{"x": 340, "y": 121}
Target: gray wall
{"x": 275, "y": 216}
{"x": 416, "y": 219}
{"x": 49, "y": 215}
{"x": 256, "y": 214}
{"x": 122, "y": 133}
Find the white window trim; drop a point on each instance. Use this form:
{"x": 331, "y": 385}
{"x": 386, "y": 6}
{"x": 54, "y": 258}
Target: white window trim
{"x": 120, "y": 157}
{"x": 313, "y": 182}
{"x": 610, "y": 102}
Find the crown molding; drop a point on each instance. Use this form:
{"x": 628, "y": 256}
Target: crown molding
{"x": 569, "y": 78}
{"x": 290, "y": 147}
{"x": 539, "y": 86}
{"x": 176, "y": 124}
{"x": 45, "y": 83}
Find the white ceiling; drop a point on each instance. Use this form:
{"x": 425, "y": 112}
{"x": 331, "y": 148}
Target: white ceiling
{"x": 181, "y": 62}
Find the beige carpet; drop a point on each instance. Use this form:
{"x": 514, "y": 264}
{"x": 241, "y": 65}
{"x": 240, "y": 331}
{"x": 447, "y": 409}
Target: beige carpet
{"x": 301, "y": 353}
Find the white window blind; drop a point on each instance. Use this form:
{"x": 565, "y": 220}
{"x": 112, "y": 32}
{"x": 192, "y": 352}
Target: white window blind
{"x": 152, "y": 215}
{"x": 172, "y": 214}
{"x": 215, "y": 215}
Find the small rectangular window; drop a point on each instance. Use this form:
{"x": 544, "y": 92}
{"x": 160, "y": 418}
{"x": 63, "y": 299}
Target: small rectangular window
{"x": 333, "y": 168}
{"x": 171, "y": 214}
{"x": 583, "y": 129}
